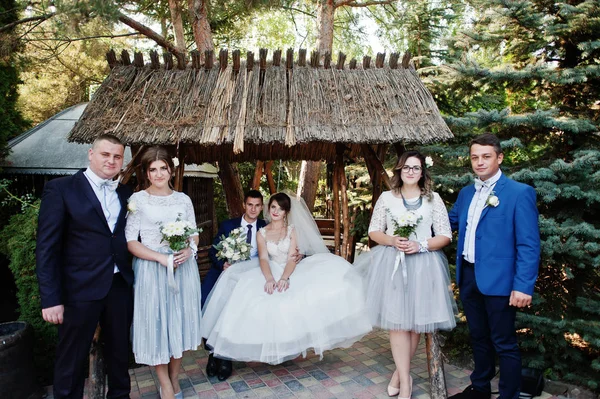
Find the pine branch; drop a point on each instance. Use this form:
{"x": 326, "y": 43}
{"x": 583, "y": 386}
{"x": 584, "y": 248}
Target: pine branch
{"x": 149, "y": 33}
{"x": 354, "y": 3}
{"x": 12, "y": 25}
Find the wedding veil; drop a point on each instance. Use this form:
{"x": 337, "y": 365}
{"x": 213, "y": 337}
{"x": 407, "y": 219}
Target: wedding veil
{"x": 310, "y": 241}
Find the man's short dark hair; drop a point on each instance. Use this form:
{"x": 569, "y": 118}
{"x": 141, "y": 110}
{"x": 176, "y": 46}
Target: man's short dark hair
{"x": 253, "y": 194}
{"x": 107, "y": 137}
{"x": 488, "y": 139}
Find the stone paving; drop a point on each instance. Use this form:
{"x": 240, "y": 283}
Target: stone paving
{"x": 362, "y": 371}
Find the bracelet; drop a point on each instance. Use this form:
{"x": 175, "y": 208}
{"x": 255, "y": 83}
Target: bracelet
{"x": 423, "y": 246}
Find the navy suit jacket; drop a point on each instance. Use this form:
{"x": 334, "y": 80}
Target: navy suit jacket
{"x": 76, "y": 251}
{"x": 507, "y": 241}
{"x": 217, "y": 264}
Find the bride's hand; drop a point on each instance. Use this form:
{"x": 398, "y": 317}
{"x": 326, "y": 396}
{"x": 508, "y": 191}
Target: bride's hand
{"x": 270, "y": 286}
{"x": 283, "y": 284}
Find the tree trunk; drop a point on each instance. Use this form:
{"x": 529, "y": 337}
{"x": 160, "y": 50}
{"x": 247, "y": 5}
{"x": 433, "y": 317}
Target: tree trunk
{"x": 234, "y": 194}
{"x": 175, "y": 8}
{"x": 198, "y": 10}
{"x": 325, "y": 15}
{"x": 308, "y": 183}
{"x": 97, "y": 377}
{"x": 435, "y": 365}
{"x": 309, "y": 174}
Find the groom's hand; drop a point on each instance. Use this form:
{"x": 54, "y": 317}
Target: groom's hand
{"x": 226, "y": 266}
{"x": 519, "y": 299}
{"x": 297, "y": 256}
{"x": 54, "y": 314}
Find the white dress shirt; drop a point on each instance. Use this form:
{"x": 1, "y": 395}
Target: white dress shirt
{"x": 253, "y": 244}
{"x": 475, "y": 209}
{"x": 109, "y": 200}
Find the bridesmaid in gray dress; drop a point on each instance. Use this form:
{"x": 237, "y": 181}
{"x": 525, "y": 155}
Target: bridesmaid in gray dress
{"x": 167, "y": 311}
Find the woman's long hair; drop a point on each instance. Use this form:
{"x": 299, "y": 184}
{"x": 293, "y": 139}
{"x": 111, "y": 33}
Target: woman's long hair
{"x": 155, "y": 153}
{"x": 425, "y": 182}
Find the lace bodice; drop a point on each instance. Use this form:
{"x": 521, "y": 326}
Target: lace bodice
{"x": 432, "y": 210}
{"x": 151, "y": 211}
{"x": 278, "y": 250}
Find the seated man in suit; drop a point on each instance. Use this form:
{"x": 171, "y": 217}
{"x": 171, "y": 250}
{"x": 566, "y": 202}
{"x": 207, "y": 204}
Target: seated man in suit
{"x": 253, "y": 205}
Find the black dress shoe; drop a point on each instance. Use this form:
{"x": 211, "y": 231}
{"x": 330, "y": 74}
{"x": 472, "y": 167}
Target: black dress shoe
{"x": 471, "y": 393}
{"x": 224, "y": 370}
{"x": 213, "y": 365}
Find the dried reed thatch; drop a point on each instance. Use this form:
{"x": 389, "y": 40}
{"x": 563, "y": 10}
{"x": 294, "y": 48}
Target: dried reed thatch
{"x": 272, "y": 110}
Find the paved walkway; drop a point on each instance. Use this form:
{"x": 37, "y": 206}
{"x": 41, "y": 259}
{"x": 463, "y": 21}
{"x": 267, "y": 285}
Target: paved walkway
{"x": 362, "y": 371}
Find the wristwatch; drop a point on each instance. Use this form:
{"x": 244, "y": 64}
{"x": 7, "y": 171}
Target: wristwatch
{"x": 423, "y": 246}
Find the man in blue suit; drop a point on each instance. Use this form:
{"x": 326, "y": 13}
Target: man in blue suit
{"x": 253, "y": 205}
{"x": 84, "y": 270}
{"x": 497, "y": 262}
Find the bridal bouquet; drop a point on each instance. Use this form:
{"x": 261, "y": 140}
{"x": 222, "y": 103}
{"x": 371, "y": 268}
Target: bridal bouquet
{"x": 177, "y": 233}
{"x": 406, "y": 224}
{"x": 233, "y": 248}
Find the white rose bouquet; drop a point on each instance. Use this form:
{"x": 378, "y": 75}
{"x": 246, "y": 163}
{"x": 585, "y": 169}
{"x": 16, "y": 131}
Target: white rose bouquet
{"x": 406, "y": 224}
{"x": 233, "y": 248}
{"x": 177, "y": 233}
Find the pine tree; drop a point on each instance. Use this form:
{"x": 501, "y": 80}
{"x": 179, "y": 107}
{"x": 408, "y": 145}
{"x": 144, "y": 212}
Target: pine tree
{"x": 11, "y": 121}
{"x": 529, "y": 72}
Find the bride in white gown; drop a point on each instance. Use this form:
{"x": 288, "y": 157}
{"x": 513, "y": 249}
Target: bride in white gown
{"x": 274, "y": 310}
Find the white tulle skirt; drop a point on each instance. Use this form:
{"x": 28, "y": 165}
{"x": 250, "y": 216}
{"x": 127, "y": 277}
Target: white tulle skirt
{"x": 165, "y": 323}
{"x": 417, "y": 298}
{"x": 324, "y": 308}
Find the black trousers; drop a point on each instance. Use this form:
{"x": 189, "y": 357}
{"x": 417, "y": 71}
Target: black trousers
{"x": 114, "y": 313}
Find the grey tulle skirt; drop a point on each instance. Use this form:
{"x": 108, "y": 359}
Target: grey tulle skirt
{"x": 165, "y": 323}
{"x": 417, "y": 298}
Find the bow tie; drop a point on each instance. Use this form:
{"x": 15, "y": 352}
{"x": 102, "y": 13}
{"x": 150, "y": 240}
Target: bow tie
{"x": 479, "y": 184}
{"x": 110, "y": 184}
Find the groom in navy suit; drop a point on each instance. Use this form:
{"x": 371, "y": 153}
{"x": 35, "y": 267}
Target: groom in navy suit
{"x": 84, "y": 270}
{"x": 253, "y": 205}
{"x": 497, "y": 262}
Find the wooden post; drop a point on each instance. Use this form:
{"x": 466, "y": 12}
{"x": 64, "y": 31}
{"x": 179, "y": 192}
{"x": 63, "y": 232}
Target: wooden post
{"x": 339, "y": 163}
{"x": 269, "y": 174}
{"x": 336, "y": 209}
{"x": 435, "y": 366}
{"x": 232, "y": 187}
{"x": 258, "y": 172}
{"x": 97, "y": 376}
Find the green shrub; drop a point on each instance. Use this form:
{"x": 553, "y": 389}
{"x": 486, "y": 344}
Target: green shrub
{"x": 18, "y": 242}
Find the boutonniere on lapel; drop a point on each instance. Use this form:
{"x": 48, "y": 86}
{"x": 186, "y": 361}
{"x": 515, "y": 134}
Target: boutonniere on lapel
{"x": 492, "y": 200}
{"x": 131, "y": 207}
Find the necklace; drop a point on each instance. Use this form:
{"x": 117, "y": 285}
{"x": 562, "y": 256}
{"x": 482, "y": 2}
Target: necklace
{"x": 412, "y": 205}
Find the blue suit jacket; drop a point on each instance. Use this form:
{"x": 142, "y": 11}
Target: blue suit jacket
{"x": 507, "y": 241}
{"x": 217, "y": 264}
{"x": 76, "y": 251}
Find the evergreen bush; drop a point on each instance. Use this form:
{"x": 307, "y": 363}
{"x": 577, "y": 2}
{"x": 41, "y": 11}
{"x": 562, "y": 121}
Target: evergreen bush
{"x": 18, "y": 243}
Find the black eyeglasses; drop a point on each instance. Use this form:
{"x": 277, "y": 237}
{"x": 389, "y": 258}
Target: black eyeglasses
{"x": 415, "y": 169}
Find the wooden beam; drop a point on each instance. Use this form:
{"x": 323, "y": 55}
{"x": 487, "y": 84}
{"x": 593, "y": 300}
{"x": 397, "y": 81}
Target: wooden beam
{"x": 336, "y": 208}
{"x": 269, "y": 174}
{"x": 258, "y": 172}
{"x": 232, "y": 187}
{"x": 371, "y": 157}
{"x": 344, "y": 199}
{"x": 435, "y": 366}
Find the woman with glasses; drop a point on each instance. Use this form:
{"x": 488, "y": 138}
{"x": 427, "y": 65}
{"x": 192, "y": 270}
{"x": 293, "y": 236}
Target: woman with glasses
{"x": 407, "y": 279}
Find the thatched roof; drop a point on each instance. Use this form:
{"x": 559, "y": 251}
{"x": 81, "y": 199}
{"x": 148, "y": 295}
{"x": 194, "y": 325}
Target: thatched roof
{"x": 271, "y": 110}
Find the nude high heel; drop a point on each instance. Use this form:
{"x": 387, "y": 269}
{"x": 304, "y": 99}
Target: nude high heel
{"x": 410, "y": 392}
{"x": 392, "y": 390}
